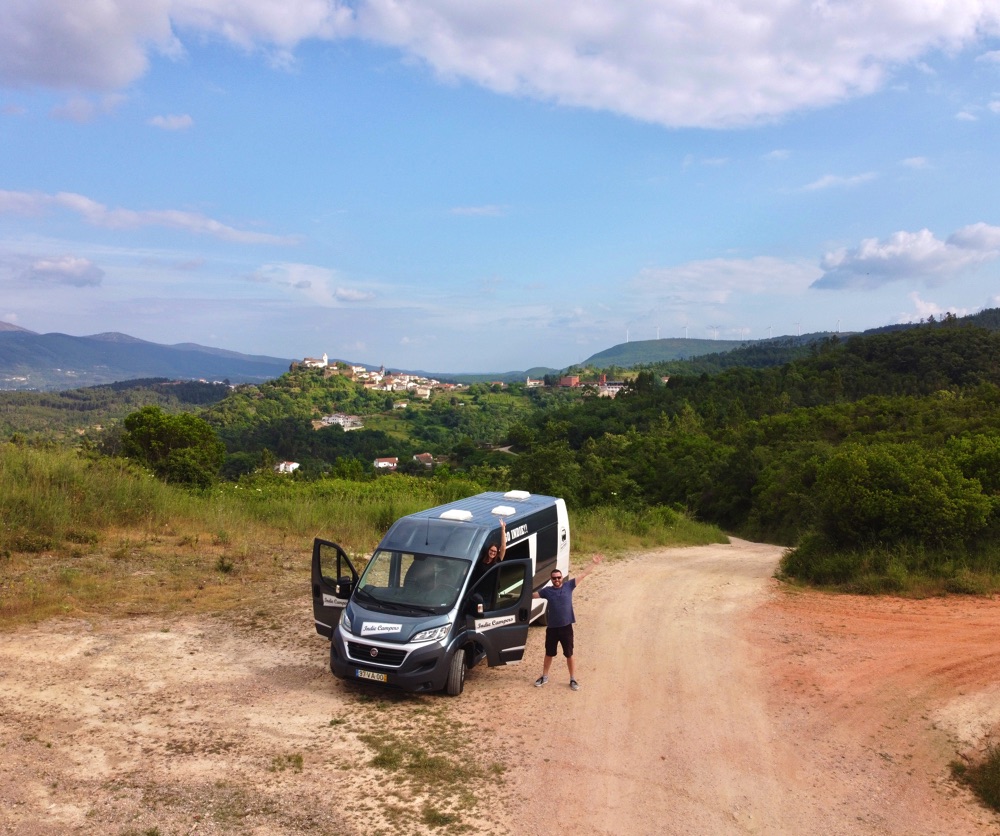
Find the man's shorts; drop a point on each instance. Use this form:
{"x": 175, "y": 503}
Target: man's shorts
{"x": 554, "y": 636}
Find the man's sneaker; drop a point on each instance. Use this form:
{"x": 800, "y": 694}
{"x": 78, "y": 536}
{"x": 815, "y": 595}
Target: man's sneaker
{"x": 541, "y": 681}
{"x": 574, "y": 685}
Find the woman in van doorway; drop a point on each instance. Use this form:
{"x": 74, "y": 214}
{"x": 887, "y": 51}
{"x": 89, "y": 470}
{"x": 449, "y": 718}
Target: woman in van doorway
{"x": 494, "y": 554}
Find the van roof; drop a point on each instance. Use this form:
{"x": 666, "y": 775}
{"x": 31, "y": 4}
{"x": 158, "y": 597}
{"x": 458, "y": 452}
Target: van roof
{"x": 480, "y": 508}
{"x": 460, "y": 528}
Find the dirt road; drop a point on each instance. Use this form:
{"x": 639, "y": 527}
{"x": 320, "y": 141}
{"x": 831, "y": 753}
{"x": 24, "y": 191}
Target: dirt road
{"x": 713, "y": 701}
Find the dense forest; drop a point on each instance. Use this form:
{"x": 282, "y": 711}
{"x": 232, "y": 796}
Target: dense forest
{"x": 875, "y": 457}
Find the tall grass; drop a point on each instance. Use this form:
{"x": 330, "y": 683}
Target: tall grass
{"x": 897, "y": 568}
{"x": 617, "y": 529}
{"x": 80, "y": 535}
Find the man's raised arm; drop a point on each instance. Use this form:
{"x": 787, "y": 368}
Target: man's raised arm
{"x": 590, "y": 568}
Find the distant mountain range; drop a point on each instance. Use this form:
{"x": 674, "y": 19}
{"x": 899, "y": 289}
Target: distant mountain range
{"x": 58, "y": 361}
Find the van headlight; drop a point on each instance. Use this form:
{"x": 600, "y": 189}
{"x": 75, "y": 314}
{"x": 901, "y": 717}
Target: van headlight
{"x": 345, "y": 622}
{"x": 434, "y": 635}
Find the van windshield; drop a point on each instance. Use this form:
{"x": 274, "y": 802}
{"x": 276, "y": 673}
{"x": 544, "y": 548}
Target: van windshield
{"x": 405, "y": 580}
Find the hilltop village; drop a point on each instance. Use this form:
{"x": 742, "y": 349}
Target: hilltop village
{"x": 422, "y": 387}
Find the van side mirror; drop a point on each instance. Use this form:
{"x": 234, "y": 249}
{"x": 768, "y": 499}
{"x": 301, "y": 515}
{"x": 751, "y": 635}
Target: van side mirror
{"x": 344, "y": 587}
{"x": 477, "y": 604}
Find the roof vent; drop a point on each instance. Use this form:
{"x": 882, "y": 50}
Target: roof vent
{"x": 504, "y": 511}
{"x": 457, "y": 514}
{"x": 517, "y": 495}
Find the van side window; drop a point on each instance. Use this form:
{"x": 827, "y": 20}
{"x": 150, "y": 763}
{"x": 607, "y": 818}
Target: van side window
{"x": 518, "y": 550}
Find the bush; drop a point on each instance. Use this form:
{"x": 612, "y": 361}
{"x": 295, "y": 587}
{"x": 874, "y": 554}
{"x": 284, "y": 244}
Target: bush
{"x": 984, "y": 777}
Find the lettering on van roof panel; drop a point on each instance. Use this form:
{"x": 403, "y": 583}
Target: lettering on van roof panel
{"x": 378, "y": 628}
{"x": 484, "y": 624}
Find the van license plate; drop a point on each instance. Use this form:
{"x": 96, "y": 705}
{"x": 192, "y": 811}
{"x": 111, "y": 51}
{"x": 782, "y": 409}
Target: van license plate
{"x": 376, "y": 677}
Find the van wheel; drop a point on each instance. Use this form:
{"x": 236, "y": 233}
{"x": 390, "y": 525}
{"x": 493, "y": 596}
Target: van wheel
{"x": 456, "y": 674}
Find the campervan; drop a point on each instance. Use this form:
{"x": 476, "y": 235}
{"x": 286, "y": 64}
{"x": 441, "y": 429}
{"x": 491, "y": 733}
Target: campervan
{"x": 425, "y": 609}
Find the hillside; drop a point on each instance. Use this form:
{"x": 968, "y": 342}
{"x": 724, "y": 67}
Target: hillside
{"x": 45, "y": 362}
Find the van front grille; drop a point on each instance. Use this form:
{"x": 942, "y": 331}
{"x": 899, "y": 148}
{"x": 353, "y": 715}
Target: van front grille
{"x": 383, "y": 655}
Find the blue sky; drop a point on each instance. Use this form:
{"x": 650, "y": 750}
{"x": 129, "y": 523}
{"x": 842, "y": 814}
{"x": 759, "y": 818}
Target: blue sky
{"x": 485, "y": 186}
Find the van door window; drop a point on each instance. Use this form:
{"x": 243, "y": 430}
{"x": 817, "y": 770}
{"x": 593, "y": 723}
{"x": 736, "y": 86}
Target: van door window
{"x": 508, "y": 588}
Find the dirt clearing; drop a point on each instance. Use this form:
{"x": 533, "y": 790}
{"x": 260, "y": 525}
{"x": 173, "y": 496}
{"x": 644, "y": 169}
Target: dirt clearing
{"x": 713, "y": 700}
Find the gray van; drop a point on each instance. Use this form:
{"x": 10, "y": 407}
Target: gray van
{"x": 425, "y": 609}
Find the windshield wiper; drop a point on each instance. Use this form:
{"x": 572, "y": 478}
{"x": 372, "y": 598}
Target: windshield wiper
{"x": 419, "y": 608}
{"x": 361, "y": 592}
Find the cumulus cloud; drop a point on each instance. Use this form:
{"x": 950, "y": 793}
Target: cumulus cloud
{"x": 71, "y": 45}
{"x": 178, "y": 122}
{"x": 78, "y": 272}
{"x": 667, "y": 61}
{"x": 319, "y": 284}
{"x": 677, "y": 63}
{"x": 715, "y": 281}
{"x": 915, "y": 162}
{"x": 924, "y": 309}
{"x": 911, "y": 256}
{"x": 97, "y": 214}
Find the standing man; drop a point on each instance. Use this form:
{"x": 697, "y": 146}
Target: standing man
{"x": 559, "y": 621}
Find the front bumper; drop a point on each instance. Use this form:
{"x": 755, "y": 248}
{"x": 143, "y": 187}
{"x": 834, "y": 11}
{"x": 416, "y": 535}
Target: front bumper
{"x": 416, "y": 668}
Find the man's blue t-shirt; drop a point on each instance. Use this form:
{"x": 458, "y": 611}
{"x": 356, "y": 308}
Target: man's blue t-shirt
{"x": 560, "y": 610}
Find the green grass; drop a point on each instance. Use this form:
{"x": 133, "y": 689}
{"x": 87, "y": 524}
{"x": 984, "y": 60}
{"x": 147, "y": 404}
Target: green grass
{"x": 900, "y": 569}
{"x": 615, "y": 530}
{"x": 81, "y": 535}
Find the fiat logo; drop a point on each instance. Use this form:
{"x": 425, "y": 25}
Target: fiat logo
{"x": 374, "y": 652}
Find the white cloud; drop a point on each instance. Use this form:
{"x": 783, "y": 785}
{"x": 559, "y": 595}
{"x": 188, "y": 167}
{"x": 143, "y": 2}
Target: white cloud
{"x": 97, "y": 214}
{"x": 81, "y": 109}
{"x": 777, "y": 154}
{"x": 319, "y": 284}
{"x": 177, "y": 122}
{"x": 79, "y": 272}
{"x": 835, "y": 181}
{"x": 992, "y": 57}
{"x": 667, "y": 61}
{"x": 486, "y": 211}
{"x": 915, "y": 162}
{"x": 716, "y": 281}
{"x": 924, "y": 309}
{"x": 677, "y": 63}
{"x": 71, "y": 45}
{"x": 914, "y": 256}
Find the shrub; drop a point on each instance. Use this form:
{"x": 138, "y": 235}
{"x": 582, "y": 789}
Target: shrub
{"x": 983, "y": 777}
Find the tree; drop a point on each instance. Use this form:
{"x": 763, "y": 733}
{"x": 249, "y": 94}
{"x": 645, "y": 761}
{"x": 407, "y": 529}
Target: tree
{"x": 548, "y": 469}
{"x": 893, "y": 493}
{"x": 178, "y": 448}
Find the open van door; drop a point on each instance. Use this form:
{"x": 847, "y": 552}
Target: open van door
{"x": 333, "y": 580}
{"x": 499, "y": 611}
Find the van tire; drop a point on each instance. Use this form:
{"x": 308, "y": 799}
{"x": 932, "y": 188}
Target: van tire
{"x": 456, "y": 674}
